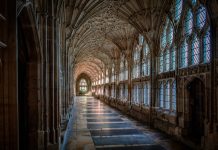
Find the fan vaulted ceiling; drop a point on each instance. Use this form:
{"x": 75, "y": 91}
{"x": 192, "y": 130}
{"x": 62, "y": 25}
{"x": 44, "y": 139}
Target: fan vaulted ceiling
{"x": 98, "y": 30}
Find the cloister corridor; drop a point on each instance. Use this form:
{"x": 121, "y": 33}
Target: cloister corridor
{"x": 109, "y": 74}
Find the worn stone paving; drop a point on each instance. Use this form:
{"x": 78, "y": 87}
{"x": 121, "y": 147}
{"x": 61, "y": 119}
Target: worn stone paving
{"x": 94, "y": 125}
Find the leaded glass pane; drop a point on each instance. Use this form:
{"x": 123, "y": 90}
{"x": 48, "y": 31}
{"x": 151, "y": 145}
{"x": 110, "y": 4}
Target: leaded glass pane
{"x": 161, "y": 95}
{"x": 195, "y": 51}
{"x": 167, "y": 95}
{"x": 161, "y": 62}
{"x": 163, "y": 38}
{"x": 173, "y": 59}
{"x": 188, "y": 23}
{"x": 184, "y": 55}
{"x": 194, "y": 2}
{"x": 201, "y": 17}
{"x": 207, "y": 47}
{"x": 141, "y": 39}
{"x": 178, "y": 10}
{"x": 167, "y": 61}
{"x": 170, "y": 35}
{"x": 174, "y": 96}
{"x": 146, "y": 93}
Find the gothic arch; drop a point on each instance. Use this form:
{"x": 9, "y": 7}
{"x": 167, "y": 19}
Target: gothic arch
{"x": 29, "y": 58}
{"x": 88, "y": 81}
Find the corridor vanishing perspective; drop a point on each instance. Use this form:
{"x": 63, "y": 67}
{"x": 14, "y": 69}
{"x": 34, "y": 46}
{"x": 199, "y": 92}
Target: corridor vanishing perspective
{"x": 108, "y": 74}
{"x": 95, "y": 125}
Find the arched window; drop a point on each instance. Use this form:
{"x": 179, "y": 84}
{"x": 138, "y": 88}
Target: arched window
{"x": 107, "y": 76}
{"x": 161, "y": 63}
{"x": 194, "y": 2}
{"x": 136, "y": 59}
{"x": 167, "y": 60}
{"x": 141, "y": 40}
{"x": 201, "y": 17}
{"x": 113, "y": 73}
{"x": 195, "y": 54}
{"x": 184, "y": 54}
{"x": 170, "y": 34}
{"x": 126, "y": 70}
{"x": 83, "y": 87}
{"x": 167, "y": 54}
{"x": 173, "y": 59}
{"x": 177, "y": 10}
{"x": 167, "y": 94}
{"x": 173, "y": 104}
{"x": 196, "y": 29}
{"x": 206, "y": 47}
{"x": 188, "y": 26}
{"x": 122, "y": 68}
{"x": 135, "y": 92}
{"x": 146, "y": 93}
{"x": 146, "y": 60}
{"x": 161, "y": 95}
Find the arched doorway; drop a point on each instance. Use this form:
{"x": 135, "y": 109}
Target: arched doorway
{"x": 196, "y": 109}
{"x": 83, "y": 85}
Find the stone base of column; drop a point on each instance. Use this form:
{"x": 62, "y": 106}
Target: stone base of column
{"x": 53, "y": 146}
{"x": 41, "y": 140}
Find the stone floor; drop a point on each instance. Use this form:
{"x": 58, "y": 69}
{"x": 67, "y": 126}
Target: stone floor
{"x": 94, "y": 125}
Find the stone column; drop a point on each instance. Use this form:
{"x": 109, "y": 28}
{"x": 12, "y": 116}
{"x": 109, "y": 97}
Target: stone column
{"x": 51, "y": 51}
{"x": 44, "y": 80}
{"x": 129, "y": 79}
{"x": 56, "y": 78}
{"x": 153, "y": 81}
